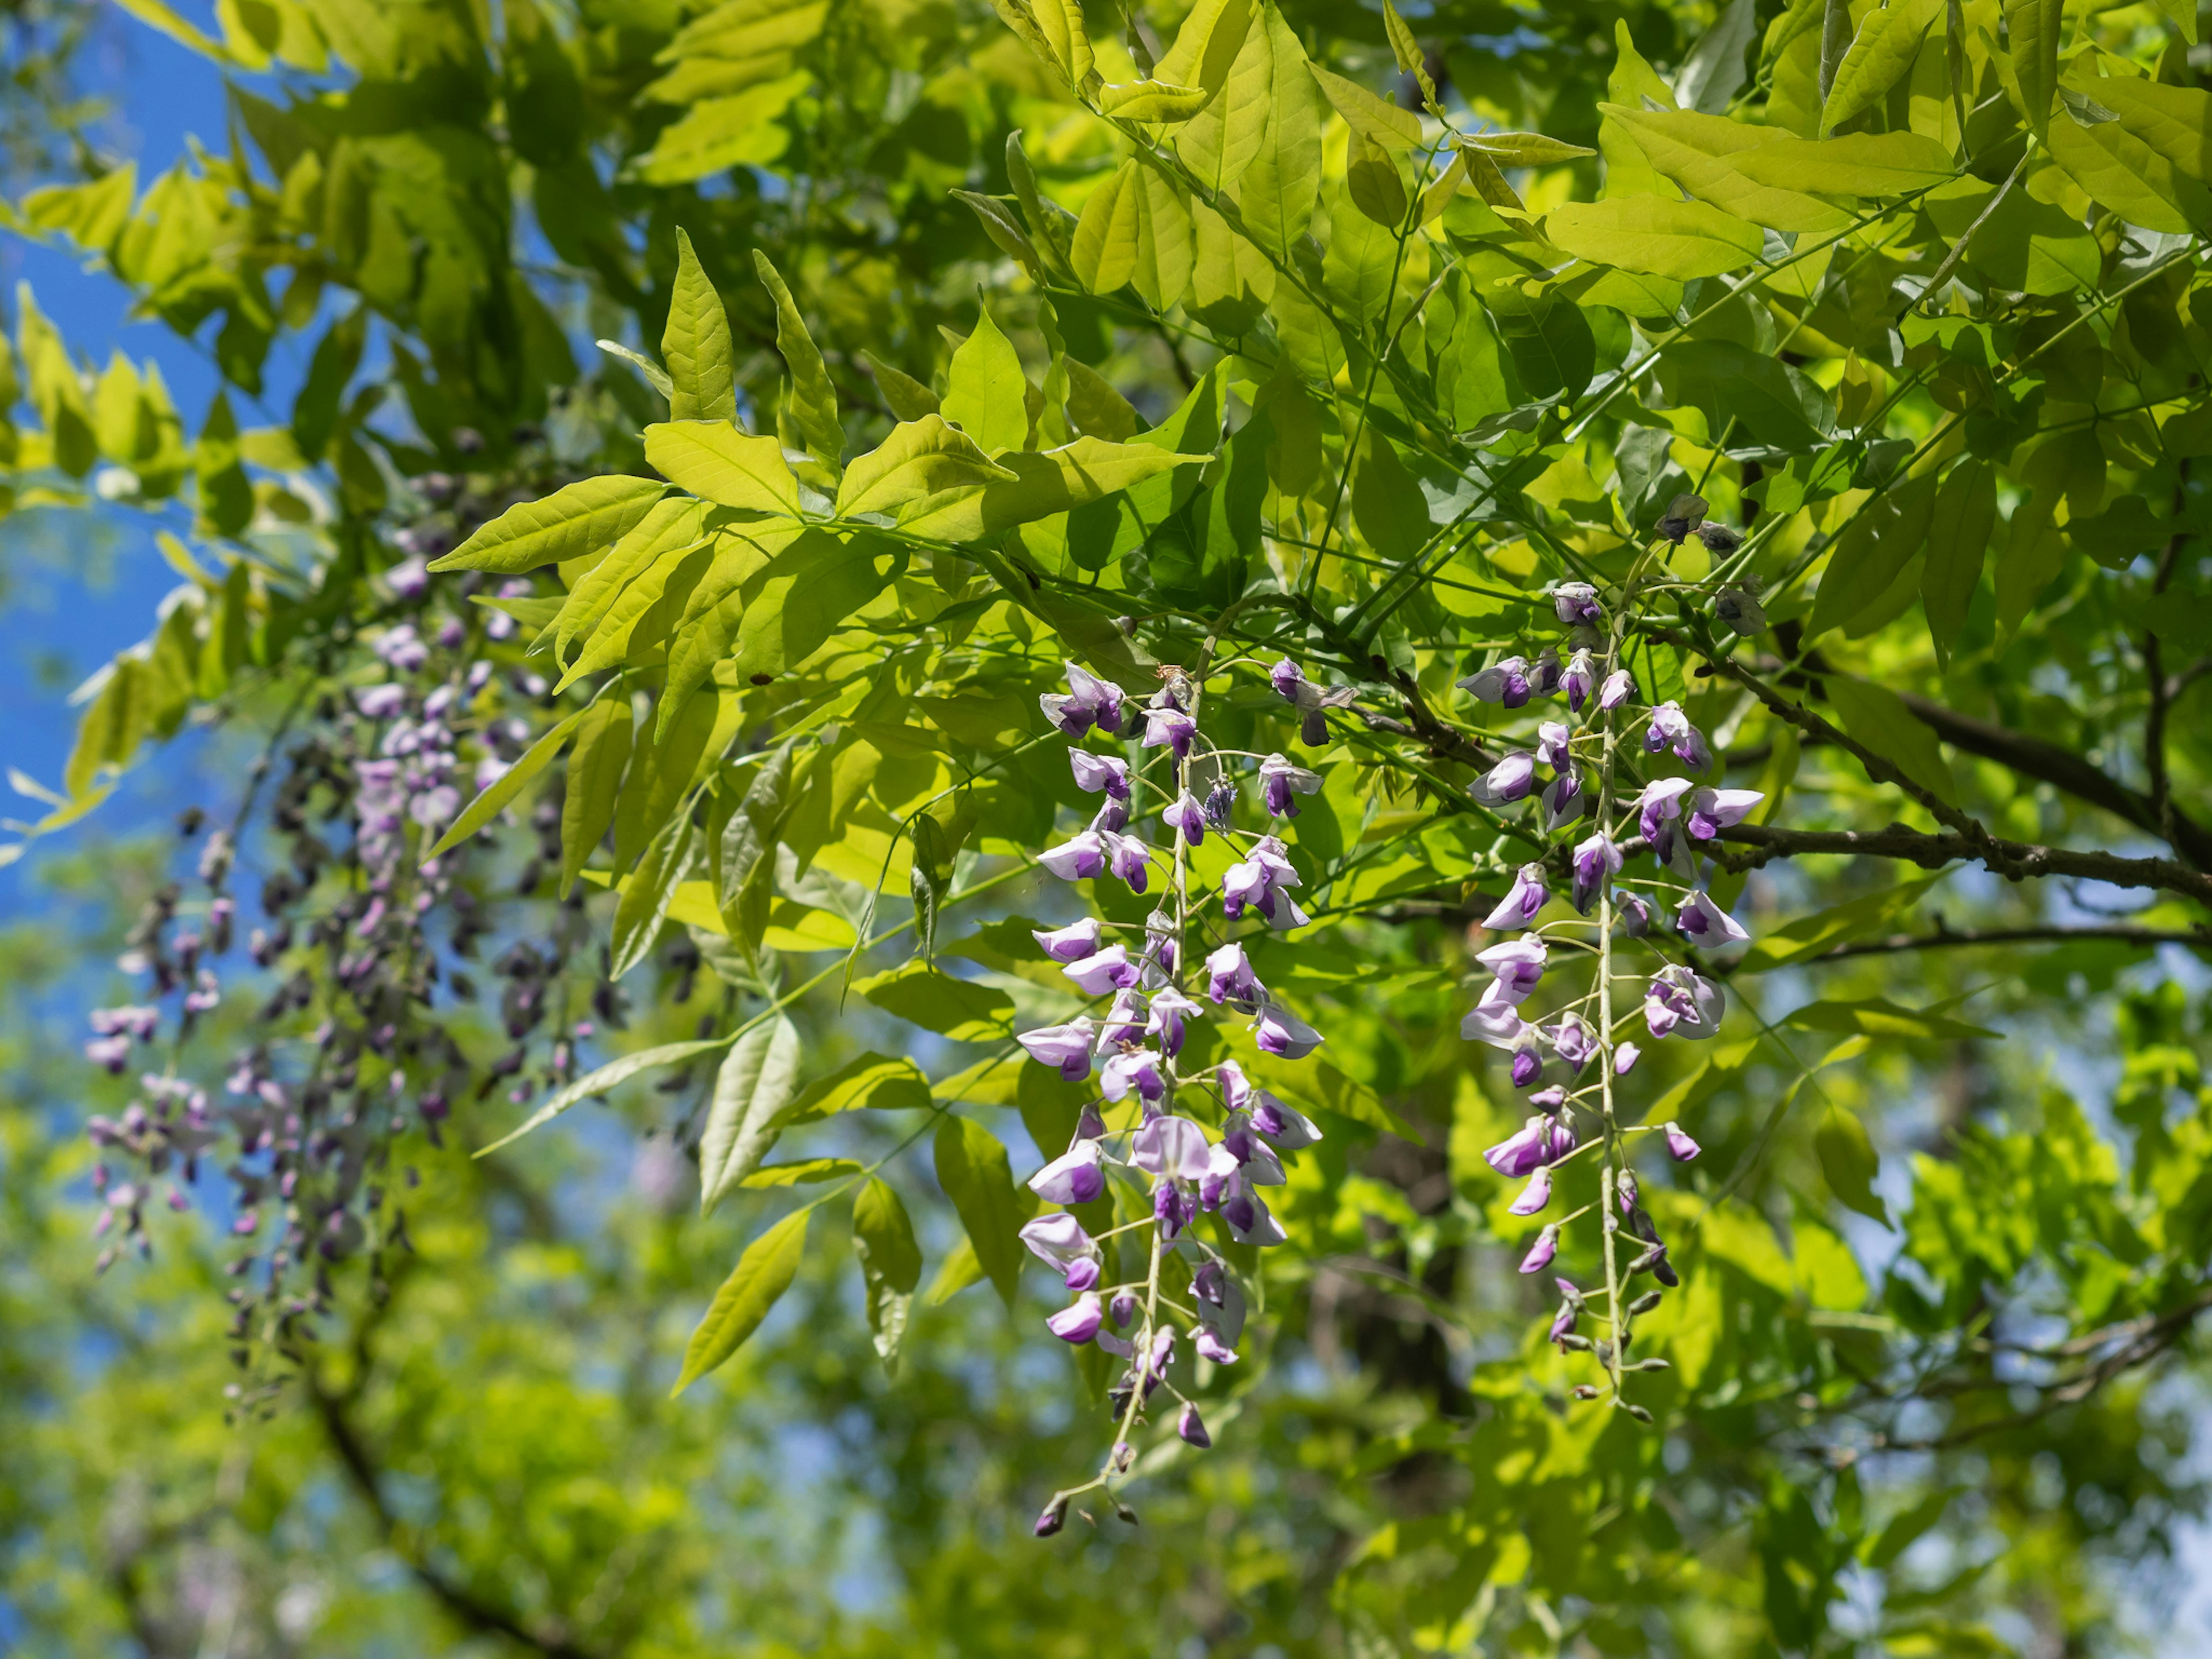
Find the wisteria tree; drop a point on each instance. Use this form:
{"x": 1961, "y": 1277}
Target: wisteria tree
{"x": 1469, "y": 740}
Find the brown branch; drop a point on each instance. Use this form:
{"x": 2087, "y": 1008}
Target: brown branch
{"x": 2201, "y": 938}
{"x": 548, "y": 1638}
{"x": 2014, "y": 860}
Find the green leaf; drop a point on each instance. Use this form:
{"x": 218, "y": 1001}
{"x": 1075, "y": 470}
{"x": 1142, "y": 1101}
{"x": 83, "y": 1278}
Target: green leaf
{"x": 1054, "y": 481}
{"x": 695, "y": 344}
{"x": 506, "y": 787}
{"x": 1151, "y": 100}
{"x": 1809, "y": 937}
{"x": 595, "y": 774}
{"x": 605, "y": 1077}
{"x": 226, "y": 493}
{"x": 763, "y": 1274}
{"x": 1771, "y": 402}
{"x": 907, "y": 398}
{"x": 1877, "y": 1017}
{"x": 1849, "y": 1162}
{"x": 798, "y": 598}
{"x": 1858, "y": 164}
{"x": 718, "y": 462}
{"x": 1372, "y": 181}
{"x": 956, "y": 1008}
{"x": 672, "y": 523}
{"x": 986, "y": 394}
{"x": 1958, "y": 531}
{"x": 1104, "y": 252}
{"x": 576, "y": 519}
{"x": 890, "y": 1264}
{"x": 813, "y": 399}
{"x": 1698, "y": 153}
{"x": 1316, "y": 1086}
{"x": 1868, "y": 556}
{"x": 1907, "y": 1527}
{"x": 1651, "y": 234}
{"x": 973, "y": 1168}
{"x": 802, "y": 1172}
{"x": 1711, "y": 74}
{"x": 1523, "y": 149}
{"x": 718, "y": 134}
{"x": 1386, "y": 502}
{"x": 1877, "y": 717}
{"x": 871, "y": 1082}
{"x": 744, "y": 853}
{"x": 1881, "y": 55}
{"x": 668, "y": 862}
{"x": 1207, "y": 45}
{"x": 753, "y": 1093}
{"x": 1374, "y": 119}
{"x": 1218, "y": 143}
{"x": 2033, "y": 30}
{"x": 1281, "y": 188}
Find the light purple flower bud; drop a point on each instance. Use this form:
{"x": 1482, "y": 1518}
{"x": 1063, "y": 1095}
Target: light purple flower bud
{"x": 1705, "y": 923}
{"x": 1109, "y": 969}
{"x": 1172, "y": 1148}
{"x": 1596, "y": 861}
{"x": 1170, "y": 1008}
{"x": 1712, "y": 811}
{"x": 1079, "y": 1320}
{"x": 1625, "y": 1057}
{"x": 1188, "y": 1427}
{"x": 1579, "y": 680}
{"x": 1565, "y": 800}
{"x": 1076, "y": 1176}
{"x": 1625, "y": 1191}
{"x": 1637, "y": 914}
{"x": 1517, "y": 964}
{"x": 1550, "y": 1099}
{"x": 379, "y": 703}
{"x": 1508, "y": 781}
{"x": 1496, "y": 1019}
{"x": 1562, "y": 1322}
{"x": 1678, "y": 999}
{"x": 1680, "y": 1146}
{"x": 1522, "y": 1152}
{"x": 1096, "y": 772}
{"x": 1186, "y": 817}
{"x": 1111, "y": 818}
{"x": 1168, "y": 728}
{"x": 1534, "y": 1196}
{"x": 1528, "y": 1065}
{"x": 1070, "y": 944}
{"x": 1544, "y": 676}
{"x": 1138, "y": 1070}
{"x": 1077, "y": 858}
{"x": 1561, "y": 1141}
{"x": 1229, "y": 975}
{"x": 1279, "y": 780}
{"x": 1554, "y": 744}
{"x": 1505, "y": 683}
{"x": 1522, "y": 901}
{"x": 1573, "y": 1040}
{"x": 1258, "y": 882}
{"x": 1619, "y": 686}
{"x": 1281, "y": 1032}
{"x": 1067, "y": 1047}
{"x": 1542, "y": 1252}
{"x": 1286, "y": 678}
{"x": 1084, "y": 1273}
{"x": 1577, "y": 604}
{"x": 1129, "y": 860}
{"x": 1210, "y": 1347}
{"x": 1124, "y": 1308}
{"x": 1288, "y": 1128}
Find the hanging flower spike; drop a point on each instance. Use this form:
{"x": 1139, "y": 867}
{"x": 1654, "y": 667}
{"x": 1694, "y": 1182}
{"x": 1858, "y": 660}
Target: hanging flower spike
{"x": 1066, "y": 1046}
{"x": 1171, "y": 1148}
{"x": 1070, "y": 944}
{"x": 1230, "y": 977}
{"x": 1544, "y": 677}
{"x": 1565, "y": 800}
{"x": 1577, "y": 604}
{"x": 1680, "y": 1146}
{"x": 1168, "y": 728}
{"x": 1712, "y": 811}
{"x": 1109, "y": 969}
{"x": 1080, "y": 1322}
{"x": 1280, "y": 780}
{"x": 1705, "y": 923}
{"x": 1682, "y": 1000}
{"x": 1517, "y": 964}
{"x": 1510, "y": 780}
{"x": 1579, "y": 679}
{"x": 1522, "y": 1152}
{"x": 1522, "y": 901}
{"x": 1505, "y": 683}
{"x": 1619, "y": 686}
{"x": 1542, "y": 1252}
{"x": 1595, "y": 860}
{"x": 1077, "y": 858}
{"x": 1496, "y": 1019}
{"x": 1186, "y": 818}
{"x": 1171, "y": 1007}
{"x": 1096, "y": 772}
{"x": 1076, "y": 1176}
{"x": 1534, "y": 1196}
{"x": 1281, "y": 1032}
{"x": 1091, "y": 702}
{"x": 1138, "y": 1069}
{"x": 1129, "y": 860}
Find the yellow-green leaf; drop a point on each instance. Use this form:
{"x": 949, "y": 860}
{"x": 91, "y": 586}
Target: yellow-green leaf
{"x": 1857, "y": 164}
{"x": 919, "y": 458}
{"x": 599, "y": 1081}
{"x": 1104, "y": 252}
{"x": 595, "y": 771}
{"x": 813, "y": 399}
{"x": 1376, "y": 119}
{"x": 891, "y": 1263}
{"x": 763, "y": 1274}
{"x": 1880, "y": 55}
{"x": 576, "y": 519}
{"x": 986, "y": 393}
{"x": 506, "y": 787}
{"x": 1958, "y": 541}
{"x": 973, "y": 1168}
{"x": 1054, "y": 481}
{"x": 753, "y": 1093}
{"x": 2033, "y": 30}
{"x": 1697, "y": 152}
{"x": 1657, "y": 237}
{"x": 717, "y": 462}
{"x": 1877, "y": 717}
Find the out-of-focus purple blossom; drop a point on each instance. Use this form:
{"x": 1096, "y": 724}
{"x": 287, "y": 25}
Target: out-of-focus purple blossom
{"x": 1096, "y": 772}
{"x": 1680, "y": 1146}
{"x": 1079, "y": 1320}
{"x": 1076, "y": 859}
{"x": 1522, "y": 901}
{"x": 401, "y": 647}
{"x": 1070, "y": 944}
{"x": 111, "y": 1054}
{"x": 1076, "y": 1176}
{"x": 1705, "y": 923}
{"x": 1508, "y": 781}
{"x": 1505, "y": 682}
{"x": 1192, "y": 1430}
{"x": 1280, "y": 780}
{"x": 379, "y": 703}
{"x": 1679, "y": 1001}
{"x": 1577, "y": 604}
{"x": 410, "y": 578}
{"x": 1066, "y": 1046}
{"x": 1542, "y": 1252}
{"x": 1597, "y": 859}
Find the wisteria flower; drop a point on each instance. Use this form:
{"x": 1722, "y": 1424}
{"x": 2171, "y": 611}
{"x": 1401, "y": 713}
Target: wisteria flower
{"x": 1542, "y": 1252}
{"x": 1172, "y": 1148}
{"x": 1522, "y": 901}
{"x": 1258, "y": 882}
{"x": 1229, "y": 975}
{"x": 1288, "y": 1128}
{"x": 1281, "y": 1032}
{"x": 1523, "y": 1152}
{"x": 1517, "y": 964}
{"x": 1070, "y": 944}
{"x": 1496, "y": 1019}
{"x": 1545, "y": 673}
{"x": 1534, "y": 1196}
{"x": 1096, "y": 772}
{"x": 1079, "y": 1320}
{"x": 1129, "y": 860}
{"x": 1680, "y": 1146}
{"x": 1091, "y": 702}
{"x": 1565, "y": 800}
{"x": 1572, "y": 1040}
{"x": 1109, "y": 969}
{"x": 1577, "y": 604}
{"x": 1670, "y": 728}
{"x": 1554, "y": 740}
{"x": 1681, "y": 1000}
{"x": 1703, "y": 921}
{"x": 1637, "y": 914}
{"x": 1579, "y": 680}
{"x": 1057, "y": 1239}
{"x": 1168, "y": 728}
{"x": 1597, "y": 859}
{"x": 1170, "y": 1008}
{"x": 1510, "y": 780}
{"x": 1279, "y": 780}
{"x": 1712, "y": 811}
{"x": 1210, "y": 1346}
{"x": 1505, "y": 682}
{"x": 1138, "y": 1069}
{"x": 1066, "y": 1046}
{"x": 1124, "y": 1023}
{"x": 1309, "y": 700}
{"x": 1186, "y": 817}
{"x": 378, "y": 703}
{"x": 1619, "y": 686}
{"x": 1076, "y": 1176}
{"x": 1249, "y": 1220}
{"x": 1077, "y": 858}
